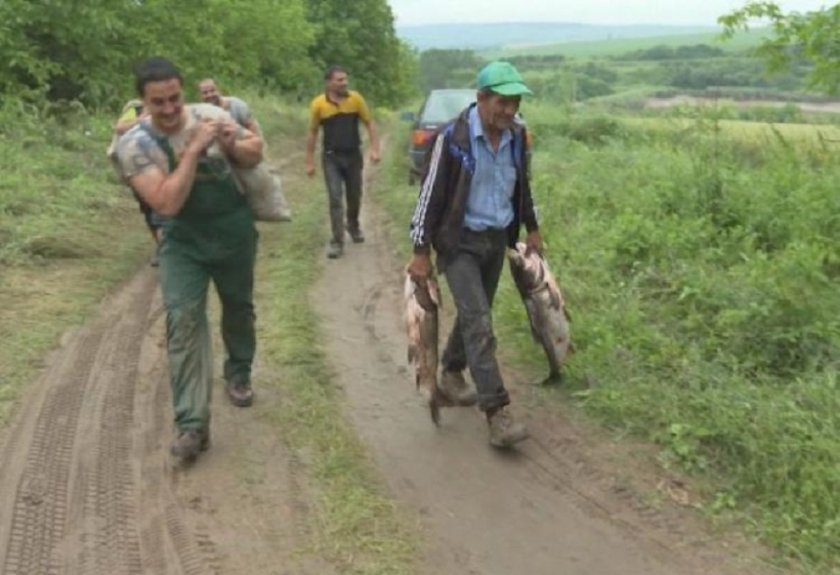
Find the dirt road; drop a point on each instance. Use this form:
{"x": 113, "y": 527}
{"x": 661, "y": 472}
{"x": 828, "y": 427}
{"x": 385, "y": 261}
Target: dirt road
{"x": 87, "y": 486}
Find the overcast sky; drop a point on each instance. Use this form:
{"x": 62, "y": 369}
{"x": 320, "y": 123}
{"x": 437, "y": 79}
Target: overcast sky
{"x": 413, "y": 12}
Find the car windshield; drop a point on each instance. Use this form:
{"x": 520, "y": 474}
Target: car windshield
{"x": 443, "y": 105}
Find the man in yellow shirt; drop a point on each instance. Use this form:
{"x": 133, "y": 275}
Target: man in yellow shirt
{"x": 339, "y": 110}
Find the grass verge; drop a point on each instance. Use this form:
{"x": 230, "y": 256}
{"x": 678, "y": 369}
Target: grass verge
{"x": 356, "y": 527}
{"x": 68, "y": 235}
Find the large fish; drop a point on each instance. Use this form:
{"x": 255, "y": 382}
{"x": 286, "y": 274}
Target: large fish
{"x": 546, "y": 308}
{"x": 421, "y": 320}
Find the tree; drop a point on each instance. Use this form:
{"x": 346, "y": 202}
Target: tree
{"x": 814, "y": 36}
{"x": 360, "y": 37}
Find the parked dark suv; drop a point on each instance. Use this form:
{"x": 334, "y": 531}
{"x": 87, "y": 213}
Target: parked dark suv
{"x": 438, "y": 108}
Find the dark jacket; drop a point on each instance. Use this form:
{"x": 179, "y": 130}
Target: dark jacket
{"x": 439, "y": 216}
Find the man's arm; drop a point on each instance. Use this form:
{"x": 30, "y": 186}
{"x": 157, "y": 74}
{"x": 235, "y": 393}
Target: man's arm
{"x": 240, "y": 145}
{"x": 312, "y": 136}
{"x": 374, "y": 140}
{"x": 123, "y": 126}
{"x": 167, "y": 193}
{"x": 311, "y": 140}
{"x": 126, "y": 121}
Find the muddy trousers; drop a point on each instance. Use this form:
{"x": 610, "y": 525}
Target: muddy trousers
{"x": 343, "y": 175}
{"x": 472, "y": 272}
{"x": 185, "y": 278}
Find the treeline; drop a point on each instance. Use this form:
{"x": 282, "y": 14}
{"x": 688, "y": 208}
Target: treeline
{"x": 557, "y": 78}
{"x": 73, "y": 50}
{"x": 664, "y": 52}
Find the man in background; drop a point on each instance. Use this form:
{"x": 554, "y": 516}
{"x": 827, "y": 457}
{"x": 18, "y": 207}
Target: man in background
{"x": 237, "y": 108}
{"x": 339, "y": 110}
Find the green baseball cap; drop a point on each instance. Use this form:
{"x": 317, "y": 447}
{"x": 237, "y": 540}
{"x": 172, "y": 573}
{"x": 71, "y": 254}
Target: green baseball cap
{"x": 502, "y": 78}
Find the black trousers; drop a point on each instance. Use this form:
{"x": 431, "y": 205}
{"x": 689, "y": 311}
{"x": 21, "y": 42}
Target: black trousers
{"x": 472, "y": 272}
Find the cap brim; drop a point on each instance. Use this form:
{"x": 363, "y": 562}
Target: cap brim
{"x": 512, "y": 89}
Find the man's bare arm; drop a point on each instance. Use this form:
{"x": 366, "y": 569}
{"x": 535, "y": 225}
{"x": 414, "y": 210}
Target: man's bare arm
{"x": 167, "y": 193}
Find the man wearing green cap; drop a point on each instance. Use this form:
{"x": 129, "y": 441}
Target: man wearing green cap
{"x": 474, "y": 198}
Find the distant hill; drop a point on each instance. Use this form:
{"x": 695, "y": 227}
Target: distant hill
{"x": 615, "y": 46}
{"x": 521, "y": 35}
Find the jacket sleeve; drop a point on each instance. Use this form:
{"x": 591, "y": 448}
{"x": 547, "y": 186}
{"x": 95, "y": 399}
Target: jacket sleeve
{"x": 432, "y": 198}
{"x": 529, "y": 213}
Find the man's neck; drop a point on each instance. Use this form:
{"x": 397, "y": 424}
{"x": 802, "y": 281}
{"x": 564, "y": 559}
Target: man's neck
{"x": 492, "y": 135}
{"x": 335, "y": 96}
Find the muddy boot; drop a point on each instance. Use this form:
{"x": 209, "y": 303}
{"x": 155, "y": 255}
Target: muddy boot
{"x": 455, "y": 388}
{"x": 334, "y": 250}
{"x": 189, "y": 443}
{"x": 504, "y": 431}
{"x": 239, "y": 392}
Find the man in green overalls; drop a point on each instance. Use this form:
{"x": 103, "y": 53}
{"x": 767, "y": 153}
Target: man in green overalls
{"x": 179, "y": 161}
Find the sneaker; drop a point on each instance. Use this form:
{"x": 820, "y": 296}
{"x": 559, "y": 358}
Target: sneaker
{"x": 504, "y": 431}
{"x": 454, "y": 388}
{"x": 334, "y": 250}
{"x": 239, "y": 392}
{"x": 356, "y": 234}
{"x": 190, "y": 442}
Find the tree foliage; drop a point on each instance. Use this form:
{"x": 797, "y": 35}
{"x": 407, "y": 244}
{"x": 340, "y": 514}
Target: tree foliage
{"x": 813, "y": 36}
{"x": 360, "y": 37}
{"x": 86, "y": 50}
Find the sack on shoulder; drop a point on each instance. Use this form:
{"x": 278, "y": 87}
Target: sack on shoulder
{"x": 264, "y": 193}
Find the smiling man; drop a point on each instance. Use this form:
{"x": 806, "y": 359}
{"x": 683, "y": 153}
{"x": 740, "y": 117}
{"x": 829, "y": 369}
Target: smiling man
{"x": 474, "y": 198}
{"x": 178, "y": 159}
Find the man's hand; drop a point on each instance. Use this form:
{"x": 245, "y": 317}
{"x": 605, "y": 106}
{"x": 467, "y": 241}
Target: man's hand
{"x": 202, "y": 136}
{"x": 534, "y": 243}
{"x": 310, "y": 168}
{"x": 226, "y": 131}
{"x": 420, "y": 268}
{"x": 374, "y": 156}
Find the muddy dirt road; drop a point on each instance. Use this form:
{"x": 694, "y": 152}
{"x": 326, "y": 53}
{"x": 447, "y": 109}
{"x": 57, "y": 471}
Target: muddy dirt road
{"x": 87, "y": 486}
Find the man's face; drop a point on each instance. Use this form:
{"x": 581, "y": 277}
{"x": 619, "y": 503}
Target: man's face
{"x": 337, "y": 83}
{"x": 164, "y": 101}
{"x": 210, "y": 93}
{"x": 497, "y": 111}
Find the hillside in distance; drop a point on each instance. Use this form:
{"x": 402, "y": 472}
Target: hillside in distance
{"x": 517, "y": 35}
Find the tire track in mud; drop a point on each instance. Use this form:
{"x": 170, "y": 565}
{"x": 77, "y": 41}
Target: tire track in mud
{"x": 85, "y": 480}
{"x": 40, "y": 506}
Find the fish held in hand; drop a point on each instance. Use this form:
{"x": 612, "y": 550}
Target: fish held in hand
{"x": 545, "y": 306}
{"x": 421, "y": 320}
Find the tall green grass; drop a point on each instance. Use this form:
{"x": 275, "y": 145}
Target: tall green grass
{"x": 702, "y": 274}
